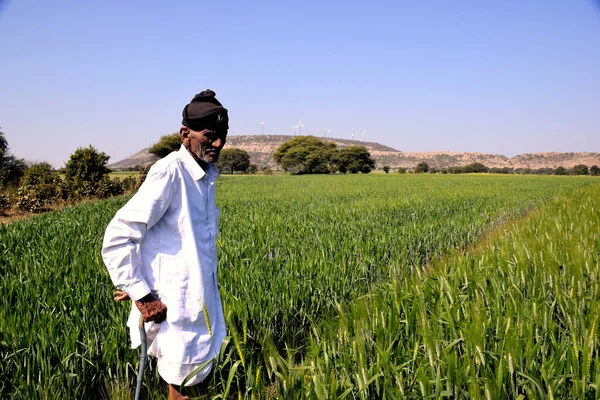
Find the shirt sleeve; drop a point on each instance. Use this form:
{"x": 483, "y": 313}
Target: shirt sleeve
{"x": 120, "y": 249}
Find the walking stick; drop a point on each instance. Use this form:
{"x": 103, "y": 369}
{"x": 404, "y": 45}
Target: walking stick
{"x": 143, "y": 358}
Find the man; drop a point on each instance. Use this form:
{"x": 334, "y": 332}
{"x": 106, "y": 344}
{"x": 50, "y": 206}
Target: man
{"x": 160, "y": 249}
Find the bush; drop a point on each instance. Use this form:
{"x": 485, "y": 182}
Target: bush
{"x": 401, "y": 170}
{"x": 267, "y": 171}
{"x": 84, "y": 171}
{"x": 560, "y": 171}
{"x": 166, "y": 145}
{"x": 422, "y": 167}
{"x": 40, "y": 174}
{"x": 386, "y": 169}
{"x": 4, "y": 203}
{"x": 129, "y": 184}
{"x": 580, "y": 169}
{"x": 34, "y": 198}
{"x": 109, "y": 187}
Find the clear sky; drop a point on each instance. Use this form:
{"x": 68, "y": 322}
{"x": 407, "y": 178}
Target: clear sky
{"x": 504, "y": 77}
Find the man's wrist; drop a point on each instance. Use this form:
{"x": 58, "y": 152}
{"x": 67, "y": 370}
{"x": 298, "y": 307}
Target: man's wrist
{"x": 147, "y": 298}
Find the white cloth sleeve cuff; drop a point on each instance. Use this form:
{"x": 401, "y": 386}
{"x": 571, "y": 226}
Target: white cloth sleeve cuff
{"x": 137, "y": 290}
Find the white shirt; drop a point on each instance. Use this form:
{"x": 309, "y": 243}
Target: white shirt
{"x": 164, "y": 241}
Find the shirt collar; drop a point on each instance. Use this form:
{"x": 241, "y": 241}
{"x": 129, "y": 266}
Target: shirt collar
{"x": 194, "y": 168}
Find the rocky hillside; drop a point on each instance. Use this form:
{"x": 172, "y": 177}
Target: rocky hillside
{"x": 261, "y": 149}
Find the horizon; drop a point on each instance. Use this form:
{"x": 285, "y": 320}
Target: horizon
{"x": 495, "y": 78}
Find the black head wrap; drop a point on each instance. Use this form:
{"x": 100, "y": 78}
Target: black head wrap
{"x": 205, "y": 112}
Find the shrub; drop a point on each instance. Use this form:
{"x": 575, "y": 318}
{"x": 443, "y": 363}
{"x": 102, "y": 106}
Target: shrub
{"x": 4, "y": 203}
{"x": 267, "y": 171}
{"x": 422, "y": 167}
{"x": 33, "y": 198}
{"x": 109, "y": 187}
{"x": 401, "y": 170}
{"x": 386, "y": 169}
{"x": 84, "y": 171}
{"x": 40, "y": 174}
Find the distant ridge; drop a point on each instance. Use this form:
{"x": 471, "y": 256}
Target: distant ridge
{"x": 261, "y": 149}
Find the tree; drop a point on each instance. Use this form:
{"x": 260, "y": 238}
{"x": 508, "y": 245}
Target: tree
{"x": 3, "y": 144}
{"x": 40, "y": 174}
{"x": 422, "y": 167}
{"x": 386, "y": 169}
{"x": 580, "y": 169}
{"x": 401, "y": 170}
{"x": 353, "y": 159}
{"x": 85, "y": 170}
{"x": 166, "y": 145}
{"x": 11, "y": 168}
{"x": 234, "y": 159}
{"x": 475, "y": 167}
{"x": 595, "y": 171}
{"x": 560, "y": 171}
{"x": 305, "y": 155}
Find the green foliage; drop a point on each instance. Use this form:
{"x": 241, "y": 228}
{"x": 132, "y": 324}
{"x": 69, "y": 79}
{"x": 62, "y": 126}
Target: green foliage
{"x": 109, "y": 187}
{"x": 580, "y": 169}
{"x": 166, "y": 145}
{"x": 401, "y": 170}
{"x": 5, "y": 203}
{"x": 594, "y": 170}
{"x": 560, "y": 171}
{"x": 40, "y": 187}
{"x": 3, "y": 144}
{"x": 475, "y": 167}
{"x": 34, "y": 198}
{"x": 84, "y": 171}
{"x": 11, "y": 170}
{"x": 40, "y": 174}
{"x": 353, "y": 159}
{"x": 386, "y": 169}
{"x": 310, "y": 155}
{"x": 422, "y": 168}
{"x": 504, "y": 170}
{"x": 233, "y": 159}
{"x": 305, "y": 155}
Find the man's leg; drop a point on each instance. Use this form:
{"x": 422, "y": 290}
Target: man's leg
{"x": 175, "y": 393}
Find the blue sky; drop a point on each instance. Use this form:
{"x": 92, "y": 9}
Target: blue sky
{"x": 504, "y": 77}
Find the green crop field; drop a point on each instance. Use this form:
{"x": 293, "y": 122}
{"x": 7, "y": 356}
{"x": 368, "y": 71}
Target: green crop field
{"x": 359, "y": 286}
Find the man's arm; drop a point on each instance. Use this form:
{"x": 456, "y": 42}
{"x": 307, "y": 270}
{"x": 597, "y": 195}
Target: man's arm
{"x": 120, "y": 249}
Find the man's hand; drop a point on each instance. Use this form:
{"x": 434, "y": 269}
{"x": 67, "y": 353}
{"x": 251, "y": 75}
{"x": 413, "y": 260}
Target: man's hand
{"x": 152, "y": 309}
{"x": 120, "y": 295}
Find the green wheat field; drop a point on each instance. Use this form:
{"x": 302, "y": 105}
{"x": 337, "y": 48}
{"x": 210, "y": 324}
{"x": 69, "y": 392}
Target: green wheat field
{"x": 358, "y": 287}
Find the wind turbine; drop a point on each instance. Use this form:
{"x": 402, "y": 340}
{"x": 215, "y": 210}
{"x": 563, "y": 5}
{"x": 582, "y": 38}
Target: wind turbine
{"x": 295, "y": 127}
{"x": 262, "y": 128}
{"x": 363, "y": 134}
{"x": 352, "y": 133}
{"x": 300, "y": 126}
{"x": 329, "y": 133}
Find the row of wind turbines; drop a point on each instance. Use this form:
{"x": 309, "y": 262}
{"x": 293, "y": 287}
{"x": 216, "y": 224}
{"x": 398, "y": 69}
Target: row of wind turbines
{"x": 298, "y": 130}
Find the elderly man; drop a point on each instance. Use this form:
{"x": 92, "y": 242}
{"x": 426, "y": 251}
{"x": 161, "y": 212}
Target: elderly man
{"x": 160, "y": 249}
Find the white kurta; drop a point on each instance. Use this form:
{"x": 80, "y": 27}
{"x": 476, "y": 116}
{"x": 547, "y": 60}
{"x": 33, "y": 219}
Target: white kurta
{"x": 164, "y": 241}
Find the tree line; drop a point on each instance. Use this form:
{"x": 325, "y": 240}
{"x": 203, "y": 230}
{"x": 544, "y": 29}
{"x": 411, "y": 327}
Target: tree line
{"x": 298, "y": 156}
{"x": 33, "y": 187}
{"x": 423, "y": 167}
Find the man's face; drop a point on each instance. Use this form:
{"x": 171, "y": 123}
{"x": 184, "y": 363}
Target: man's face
{"x": 205, "y": 145}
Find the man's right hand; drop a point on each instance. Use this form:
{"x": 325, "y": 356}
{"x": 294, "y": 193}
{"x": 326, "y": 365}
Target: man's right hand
{"x": 152, "y": 309}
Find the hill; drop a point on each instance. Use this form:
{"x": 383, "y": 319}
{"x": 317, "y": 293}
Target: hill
{"x": 261, "y": 149}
